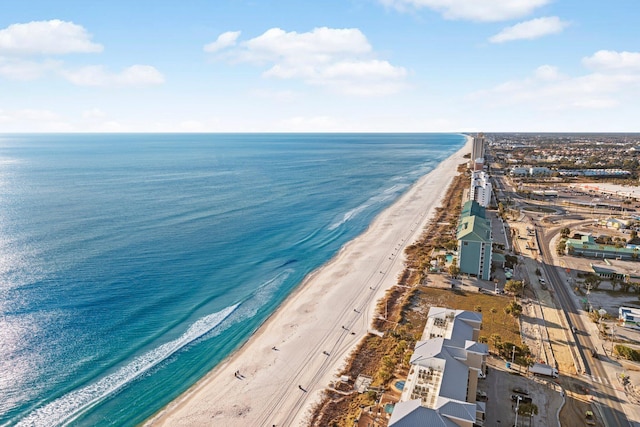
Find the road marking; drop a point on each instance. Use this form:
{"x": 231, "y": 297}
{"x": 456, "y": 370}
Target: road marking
{"x": 599, "y": 380}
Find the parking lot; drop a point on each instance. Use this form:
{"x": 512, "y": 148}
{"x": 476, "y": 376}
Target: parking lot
{"x": 499, "y": 387}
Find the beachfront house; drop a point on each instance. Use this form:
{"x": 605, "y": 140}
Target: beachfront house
{"x": 440, "y": 389}
{"x": 474, "y": 241}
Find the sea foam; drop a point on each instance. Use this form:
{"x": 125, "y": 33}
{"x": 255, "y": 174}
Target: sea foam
{"x": 71, "y": 405}
{"x": 384, "y": 196}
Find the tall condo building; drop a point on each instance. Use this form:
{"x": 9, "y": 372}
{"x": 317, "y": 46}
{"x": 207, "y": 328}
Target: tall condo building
{"x": 475, "y": 241}
{"x": 477, "y": 149}
{"x": 480, "y": 189}
{"x": 476, "y": 162}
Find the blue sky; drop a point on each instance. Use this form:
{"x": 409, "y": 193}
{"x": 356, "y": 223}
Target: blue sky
{"x": 319, "y": 66}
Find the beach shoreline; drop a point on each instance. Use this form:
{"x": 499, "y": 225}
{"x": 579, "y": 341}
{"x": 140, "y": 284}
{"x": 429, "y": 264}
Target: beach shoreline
{"x": 279, "y": 374}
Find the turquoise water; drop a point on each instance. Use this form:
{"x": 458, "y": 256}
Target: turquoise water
{"x": 130, "y": 265}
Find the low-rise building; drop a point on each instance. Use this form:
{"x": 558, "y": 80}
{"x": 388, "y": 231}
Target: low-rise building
{"x": 539, "y": 170}
{"x": 616, "y": 223}
{"x": 630, "y": 317}
{"x": 588, "y": 247}
{"x": 519, "y": 171}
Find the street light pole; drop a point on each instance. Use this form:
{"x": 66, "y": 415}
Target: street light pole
{"x": 517, "y": 406}
{"x": 613, "y": 336}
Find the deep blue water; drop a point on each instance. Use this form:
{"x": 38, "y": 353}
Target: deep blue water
{"x": 130, "y": 265}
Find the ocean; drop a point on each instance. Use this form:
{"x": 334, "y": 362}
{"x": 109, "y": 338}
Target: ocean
{"x": 132, "y": 264}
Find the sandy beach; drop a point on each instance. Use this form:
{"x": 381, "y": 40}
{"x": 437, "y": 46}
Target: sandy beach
{"x": 279, "y": 374}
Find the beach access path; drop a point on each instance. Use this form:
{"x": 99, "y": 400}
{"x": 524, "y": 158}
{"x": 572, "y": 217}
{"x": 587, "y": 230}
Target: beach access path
{"x": 278, "y": 376}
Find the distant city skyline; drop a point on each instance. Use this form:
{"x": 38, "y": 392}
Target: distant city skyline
{"x": 331, "y": 66}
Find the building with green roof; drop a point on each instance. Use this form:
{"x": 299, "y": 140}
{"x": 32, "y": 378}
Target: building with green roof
{"x": 587, "y": 247}
{"x": 474, "y": 241}
{"x": 471, "y": 207}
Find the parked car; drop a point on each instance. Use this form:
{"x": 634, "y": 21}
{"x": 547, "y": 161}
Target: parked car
{"x": 521, "y": 390}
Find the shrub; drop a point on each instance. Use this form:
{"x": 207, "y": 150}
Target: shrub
{"x": 627, "y": 352}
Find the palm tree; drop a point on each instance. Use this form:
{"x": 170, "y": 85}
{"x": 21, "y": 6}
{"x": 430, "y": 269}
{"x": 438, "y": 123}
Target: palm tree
{"x": 496, "y": 339}
{"x": 454, "y": 270}
{"x": 514, "y": 286}
{"x": 513, "y": 309}
{"x": 528, "y": 410}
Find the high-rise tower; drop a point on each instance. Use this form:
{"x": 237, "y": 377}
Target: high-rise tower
{"x": 477, "y": 150}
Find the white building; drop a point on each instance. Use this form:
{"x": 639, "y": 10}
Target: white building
{"x": 519, "y": 171}
{"x": 629, "y": 316}
{"x": 539, "y": 170}
{"x": 480, "y": 188}
{"x": 440, "y": 389}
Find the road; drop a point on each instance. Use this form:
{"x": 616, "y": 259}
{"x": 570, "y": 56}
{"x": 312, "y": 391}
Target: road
{"x": 581, "y": 344}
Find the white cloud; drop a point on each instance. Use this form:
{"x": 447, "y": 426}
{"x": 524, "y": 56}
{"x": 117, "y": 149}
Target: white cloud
{"x": 192, "y": 126}
{"x": 139, "y": 75}
{"x": 276, "y": 95}
{"x": 316, "y": 123}
{"x": 340, "y": 59}
{"x": 112, "y": 126}
{"x": 364, "y": 69}
{"x": 532, "y": 29}
{"x": 224, "y": 40}
{"x": 39, "y": 39}
{"x": 33, "y": 119}
{"x": 93, "y": 113}
{"x": 318, "y": 45}
{"x": 53, "y": 37}
{"x": 20, "y": 69}
{"x": 35, "y": 115}
{"x": 610, "y": 60}
{"x": 473, "y": 10}
{"x": 596, "y": 103}
{"x": 96, "y": 75}
{"x": 547, "y": 72}
{"x": 548, "y": 89}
